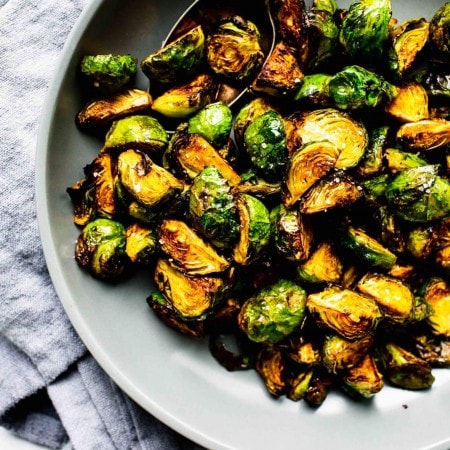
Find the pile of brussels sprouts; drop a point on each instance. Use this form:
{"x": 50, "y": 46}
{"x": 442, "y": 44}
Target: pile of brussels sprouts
{"x": 305, "y": 228}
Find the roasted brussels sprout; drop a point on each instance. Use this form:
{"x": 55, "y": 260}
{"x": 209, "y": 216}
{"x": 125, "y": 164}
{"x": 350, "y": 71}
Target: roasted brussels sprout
{"x": 178, "y": 59}
{"x": 410, "y": 104}
{"x": 102, "y": 112}
{"x": 187, "y": 250}
{"x": 419, "y": 194}
{"x": 274, "y": 312}
{"x": 280, "y": 75}
{"x": 141, "y": 243}
{"x": 364, "y": 378}
{"x": 100, "y": 248}
{"x": 149, "y": 184}
{"x": 372, "y": 161}
{"x": 314, "y": 90}
{"x": 213, "y": 122}
{"x": 440, "y": 30}
{"x": 323, "y": 266}
{"x": 212, "y": 207}
{"x": 82, "y": 195}
{"x": 367, "y": 249}
{"x": 365, "y": 30}
{"x": 325, "y": 5}
{"x": 307, "y": 165}
{"x": 233, "y": 50}
{"x": 424, "y": 134}
{"x": 328, "y": 124}
{"x": 136, "y": 132}
{"x": 355, "y": 87}
{"x": 265, "y": 143}
{"x": 436, "y": 293}
{"x": 254, "y": 229}
{"x": 181, "y": 101}
{"x": 108, "y": 73}
{"x": 292, "y": 233}
{"x": 398, "y": 160}
{"x": 270, "y": 366}
{"x": 351, "y": 315}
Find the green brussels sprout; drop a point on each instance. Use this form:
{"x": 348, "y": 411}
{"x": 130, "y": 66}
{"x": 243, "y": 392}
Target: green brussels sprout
{"x": 254, "y": 230}
{"x": 365, "y": 30}
{"x": 325, "y": 5}
{"x": 292, "y": 233}
{"x": 183, "y": 100}
{"x": 274, "y": 312}
{"x": 108, "y": 73}
{"x": 372, "y": 161}
{"x": 176, "y": 60}
{"x": 398, "y": 160}
{"x": 355, "y": 87}
{"x": 440, "y": 30}
{"x": 394, "y": 298}
{"x": 280, "y": 75}
{"x": 406, "y": 42}
{"x": 424, "y": 134}
{"x": 420, "y": 242}
{"x": 212, "y": 207}
{"x": 233, "y": 50}
{"x": 265, "y": 143}
{"x": 141, "y": 243}
{"x": 214, "y": 122}
{"x": 348, "y": 313}
{"x": 375, "y": 187}
{"x": 136, "y": 132}
{"x": 100, "y": 248}
{"x": 192, "y": 297}
{"x": 102, "y": 112}
{"x": 403, "y": 369}
{"x": 314, "y": 90}
{"x": 367, "y": 249}
{"x": 419, "y": 194}
{"x": 147, "y": 183}
{"x": 187, "y": 250}
{"x": 364, "y": 379}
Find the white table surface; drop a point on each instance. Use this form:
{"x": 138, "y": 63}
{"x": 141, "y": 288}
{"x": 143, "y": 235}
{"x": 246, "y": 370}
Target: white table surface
{"x": 9, "y": 442}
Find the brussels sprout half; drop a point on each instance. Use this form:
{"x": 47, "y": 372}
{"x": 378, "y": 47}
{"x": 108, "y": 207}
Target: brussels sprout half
{"x": 440, "y": 30}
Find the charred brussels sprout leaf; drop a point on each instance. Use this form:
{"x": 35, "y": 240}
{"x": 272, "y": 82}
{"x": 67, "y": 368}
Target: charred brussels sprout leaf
{"x": 213, "y": 122}
{"x": 212, "y": 207}
{"x": 234, "y": 50}
{"x": 178, "y": 59}
{"x": 265, "y": 143}
{"x": 274, "y": 312}
{"x": 108, "y": 73}
{"x": 138, "y": 132}
{"x": 100, "y": 249}
{"x": 419, "y": 194}
{"x": 365, "y": 29}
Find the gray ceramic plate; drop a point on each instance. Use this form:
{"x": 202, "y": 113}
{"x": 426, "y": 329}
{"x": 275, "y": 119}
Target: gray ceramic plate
{"x": 172, "y": 377}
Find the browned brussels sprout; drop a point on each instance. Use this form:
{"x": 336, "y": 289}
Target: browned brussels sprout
{"x": 181, "y": 101}
{"x": 323, "y": 266}
{"x": 410, "y": 103}
{"x": 391, "y": 230}
{"x": 149, "y": 184}
{"x": 328, "y": 124}
{"x": 420, "y": 242}
{"x": 192, "y": 297}
{"x": 336, "y": 190}
{"x": 188, "y": 154}
{"x": 102, "y": 112}
{"x": 136, "y": 132}
{"x": 187, "y": 250}
{"x": 307, "y": 165}
{"x": 100, "y": 248}
{"x": 419, "y": 194}
{"x": 82, "y": 194}
{"x": 398, "y": 160}
{"x": 108, "y": 73}
{"x": 406, "y": 42}
{"x": 265, "y": 144}
{"x": 280, "y": 75}
{"x": 403, "y": 369}
{"x": 394, "y": 298}
{"x": 254, "y": 229}
{"x": 372, "y": 161}
{"x": 213, "y": 122}
{"x": 292, "y": 233}
{"x": 425, "y": 134}
{"x": 212, "y": 208}
{"x": 233, "y": 50}
{"x": 440, "y": 30}
{"x": 348, "y": 313}
{"x": 141, "y": 243}
{"x": 365, "y": 30}
{"x": 178, "y": 59}
{"x": 298, "y": 383}
{"x": 367, "y": 249}
{"x": 436, "y": 293}
{"x": 314, "y": 90}
{"x": 270, "y": 366}
{"x": 274, "y": 312}
{"x": 364, "y": 379}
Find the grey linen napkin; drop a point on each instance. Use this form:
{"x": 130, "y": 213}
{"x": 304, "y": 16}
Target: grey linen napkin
{"x": 52, "y": 392}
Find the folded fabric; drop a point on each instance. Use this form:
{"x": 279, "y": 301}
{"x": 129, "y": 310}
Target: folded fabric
{"x": 52, "y": 392}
